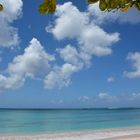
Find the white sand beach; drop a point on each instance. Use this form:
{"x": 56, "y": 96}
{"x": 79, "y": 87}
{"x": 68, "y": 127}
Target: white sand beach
{"x": 106, "y": 134}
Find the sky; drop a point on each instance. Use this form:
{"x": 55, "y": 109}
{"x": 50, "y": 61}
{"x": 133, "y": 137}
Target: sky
{"x": 78, "y": 57}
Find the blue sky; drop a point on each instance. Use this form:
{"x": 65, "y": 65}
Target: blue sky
{"x": 77, "y": 57}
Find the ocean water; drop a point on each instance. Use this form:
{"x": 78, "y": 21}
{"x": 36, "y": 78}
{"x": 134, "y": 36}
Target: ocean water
{"x": 46, "y": 121}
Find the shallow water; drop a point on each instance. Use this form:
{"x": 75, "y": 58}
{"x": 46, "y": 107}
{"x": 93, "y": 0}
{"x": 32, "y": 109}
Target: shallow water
{"x": 39, "y": 121}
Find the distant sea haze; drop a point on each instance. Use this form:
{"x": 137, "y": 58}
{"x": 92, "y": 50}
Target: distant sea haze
{"x": 29, "y": 121}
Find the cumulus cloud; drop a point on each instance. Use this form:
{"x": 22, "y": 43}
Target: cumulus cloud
{"x": 32, "y": 63}
{"x": 0, "y": 56}
{"x": 90, "y": 37}
{"x": 103, "y": 96}
{"x": 110, "y": 79}
{"x": 12, "y": 11}
{"x": 84, "y": 98}
{"x": 60, "y": 76}
{"x": 135, "y": 59}
{"x": 70, "y": 54}
{"x": 91, "y": 41}
{"x": 105, "y": 99}
{"x": 71, "y": 27}
{"x": 106, "y": 96}
{"x": 11, "y": 82}
{"x": 99, "y": 17}
{"x": 134, "y": 96}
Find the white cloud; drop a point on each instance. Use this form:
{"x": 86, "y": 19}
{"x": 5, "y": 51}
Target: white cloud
{"x": 95, "y": 41}
{"x": 106, "y": 96}
{"x": 32, "y": 63}
{"x": 108, "y": 100}
{"x": 110, "y": 79}
{"x": 84, "y": 98}
{"x": 99, "y": 17}
{"x": 100, "y": 100}
{"x": 102, "y": 95}
{"x": 91, "y": 41}
{"x": 0, "y": 56}
{"x": 60, "y": 76}
{"x": 117, "y": 98}
{"x": 82, "y": 27}
{"x": 135, "y": 59}
{"x": 12, "y": 11}
{"x": 11, "y": 82}
{"x": 91, "y": 38}
{"x": 135, "y": 96}
{"x": 69, "y": 22}
{"x": 29, "y": 63}
{"x": 69, "y": 54}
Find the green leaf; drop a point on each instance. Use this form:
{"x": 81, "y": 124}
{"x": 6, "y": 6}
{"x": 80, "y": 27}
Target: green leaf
{"x": 125, "y": 9}
{"x": 123, "y": 3}
{"x": 113, "y": 4}
{"x": 47, "y": 7}
{"x": 1, "y": 7}
{"x": 92, "y": 1}
{"x": 102, "y": 5}
{"x": 137, "y": 5}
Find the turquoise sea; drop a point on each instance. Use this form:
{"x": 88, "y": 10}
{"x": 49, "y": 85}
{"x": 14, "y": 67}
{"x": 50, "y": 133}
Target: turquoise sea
{"x": 61, "y": 120}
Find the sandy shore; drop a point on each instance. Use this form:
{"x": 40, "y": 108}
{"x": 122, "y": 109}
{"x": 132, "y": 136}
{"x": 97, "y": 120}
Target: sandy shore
{"x": 106, "y": 134}
{"x": 129, "y": 137}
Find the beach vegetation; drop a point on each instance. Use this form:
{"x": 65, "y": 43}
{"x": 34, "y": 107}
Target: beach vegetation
{"x": 1, "y": 7}
{"x": 49, "y": 6}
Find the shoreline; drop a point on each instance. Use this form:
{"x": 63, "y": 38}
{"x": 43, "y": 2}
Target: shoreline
{"x": 129, "y": 133}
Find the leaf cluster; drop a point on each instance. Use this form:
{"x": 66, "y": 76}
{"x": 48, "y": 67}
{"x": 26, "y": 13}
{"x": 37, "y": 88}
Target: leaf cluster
{"x": 47, "y": 7}
{"x": 122, "y": 5}
{"x": 1, "y": 7}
